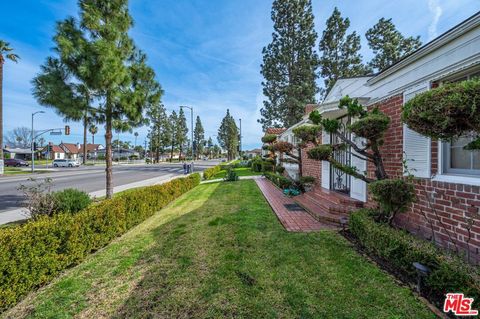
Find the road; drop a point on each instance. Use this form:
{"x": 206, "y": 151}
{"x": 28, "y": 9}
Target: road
{"x": 91, "y": 179}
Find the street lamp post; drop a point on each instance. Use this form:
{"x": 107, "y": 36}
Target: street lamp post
{"x": 191, "y": 117}
{"x": 32, "y": 146}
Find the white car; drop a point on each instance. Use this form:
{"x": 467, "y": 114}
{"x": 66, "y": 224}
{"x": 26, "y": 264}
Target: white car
{"x": 65, "y": 163}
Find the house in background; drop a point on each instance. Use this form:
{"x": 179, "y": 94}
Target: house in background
{"x": 71, "y": 150}
{"x": 253, "y": 153}
{"x": 92, "y": 150}
{"x": 444, "y": 171}
{"x": 18, "y": 153}
{"x": 53, "y": 152}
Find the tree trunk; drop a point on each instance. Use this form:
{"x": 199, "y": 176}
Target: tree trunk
{"x": 93, "y": 138}
{"x": 85, "y": 124}
{"x": 108, "y": 155}
{"x": 180, "y": 153}
{"x": 1, "y": 111}
{"x": 171, "y": 153}
{"x": 300, "y": 168}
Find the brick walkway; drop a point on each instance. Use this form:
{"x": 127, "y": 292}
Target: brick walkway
{"x": 296, "y": 221}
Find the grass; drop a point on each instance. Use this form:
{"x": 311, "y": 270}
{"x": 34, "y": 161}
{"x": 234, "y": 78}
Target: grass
{"x": 18, "y": 171}
{"x": 216, "y": 252}
{"x": 241, "y": 171}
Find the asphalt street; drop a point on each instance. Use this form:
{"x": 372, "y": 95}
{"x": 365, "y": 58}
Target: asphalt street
{"x": 89, "y": 179}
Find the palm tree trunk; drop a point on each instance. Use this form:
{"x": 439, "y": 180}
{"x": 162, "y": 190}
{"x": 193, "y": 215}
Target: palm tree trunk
{"x": 85, "y": 124}
{"x": 108, "y": 155}
{"x": 1, "y": 112}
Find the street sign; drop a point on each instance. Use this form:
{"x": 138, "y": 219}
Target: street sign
{"x": 55, "y": 133}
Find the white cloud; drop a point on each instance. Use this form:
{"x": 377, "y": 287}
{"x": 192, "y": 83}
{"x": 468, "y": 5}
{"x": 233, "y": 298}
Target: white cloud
{"x": 436, "y": 11}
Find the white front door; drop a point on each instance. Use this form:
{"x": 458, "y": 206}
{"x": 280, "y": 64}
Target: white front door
{"x": 358, "y": 188}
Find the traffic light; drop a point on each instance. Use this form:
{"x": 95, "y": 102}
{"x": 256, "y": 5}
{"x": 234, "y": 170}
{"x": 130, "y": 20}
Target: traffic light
{"x": 35, "y": 146}
{"x": 67, "y": 130}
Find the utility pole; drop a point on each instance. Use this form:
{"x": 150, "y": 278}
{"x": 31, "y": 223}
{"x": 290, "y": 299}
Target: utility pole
{"x": 145, "y": 151}
{"x": 32, "y": 145}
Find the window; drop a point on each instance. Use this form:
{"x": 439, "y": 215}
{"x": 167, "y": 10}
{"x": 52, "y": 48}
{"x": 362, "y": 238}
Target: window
{"x": 457, "y": 160}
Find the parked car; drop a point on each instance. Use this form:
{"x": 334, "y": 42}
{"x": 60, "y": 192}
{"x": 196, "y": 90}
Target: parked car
{"x": 65, "y": 163}
{"x": 15, "y": 162}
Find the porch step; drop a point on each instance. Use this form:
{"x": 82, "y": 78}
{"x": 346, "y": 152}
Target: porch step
{"x": 320, "y": 213}
{"x": 328, "y": 206}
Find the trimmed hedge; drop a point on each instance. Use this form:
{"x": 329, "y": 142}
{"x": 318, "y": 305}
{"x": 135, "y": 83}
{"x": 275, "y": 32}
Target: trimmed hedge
{"x": 449, "y": 273}
{"x": 279, "y": 180}
{"x": 210, "y": 172}
{"x": 34, "y": 253}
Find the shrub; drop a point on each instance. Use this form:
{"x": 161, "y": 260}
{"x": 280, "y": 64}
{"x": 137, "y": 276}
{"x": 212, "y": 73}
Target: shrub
{"x": 231, "y": 175}
{"x": 307, "y": 180}
{"x": 210, "y": 172}
{"x": 283, "y": 147}
{"x": 448, "y": 273}
{"x": 372, "y": 126}
{"x": 393, "y": 195}
{"x": 71, "y": 200}
{"x": 267, "y": 166}
{"x": 269, "y": 138}
{"x": 34, "y": 253}
{"x": 449, "y": 111}
{"x": 279, "y": 180}
{"x": 280, "y": 169}
{"x": 320, "y": 153}
{"x": 307, "y": 133}
{"x": 256, "y": 165}
{"x": 39, "y": 198}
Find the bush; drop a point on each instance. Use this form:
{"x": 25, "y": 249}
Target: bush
{"x": 39, "y": 197}
{"x": 283, "y": 147}
{"x": 449, "y": 111}
{"x": 307, "y": 133}
{"x": 307, "y": 180}
{"x": 256, "y": 165}
{"x": 280, "y": 169}
{"x": 320, "y": 153}
{"x": 267, "y": 166}
{"x": 279, "y": 180}
{"x": 269, "y": 138}
{"x": 231, "y": 175}
{"x": 372, "y": 126}
{"x": 71, "y": 200}
{"x": 210, "y": 172}
{"x": 34, "y": 253}
{"x": 393, "y": 195}
{"x": 448, "y": 273}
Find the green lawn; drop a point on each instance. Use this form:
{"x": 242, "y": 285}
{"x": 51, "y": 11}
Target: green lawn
{"x": 220, "y": 252}
{"x": 241, "y": 171}
{"x": 17, "y": 171}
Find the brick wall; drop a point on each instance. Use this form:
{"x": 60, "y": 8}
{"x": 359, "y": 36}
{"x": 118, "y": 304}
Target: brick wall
{"x": 454, "y": 204}
{"x": 311, "y": 167}
{"x": 310, "y": 107}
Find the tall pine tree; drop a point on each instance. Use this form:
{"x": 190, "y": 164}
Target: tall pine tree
{"x": 100, "y": 53}
{"x": 228, "y": 136}
{"x": 388, "y": 44}
{"x": 173, "y": 119}
{"x": 198, "y": 137}
{"x": 340, "y": 55}
{"x": 289, "y": 64}
{"x": 181, "y": 132}
{"x": 160, "y": 135}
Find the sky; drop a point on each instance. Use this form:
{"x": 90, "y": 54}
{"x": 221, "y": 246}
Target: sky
{"x": 206, "y": 53}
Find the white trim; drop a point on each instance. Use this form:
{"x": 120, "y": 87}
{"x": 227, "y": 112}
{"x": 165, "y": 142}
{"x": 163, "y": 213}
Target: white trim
{"x": 457, "y": 179}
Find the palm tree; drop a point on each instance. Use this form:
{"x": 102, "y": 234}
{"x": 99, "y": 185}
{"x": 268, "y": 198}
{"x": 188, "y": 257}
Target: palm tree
{"x": 136, "y": 135}
{"x": 93, "y": 129}
{"x": 5, "y": 53}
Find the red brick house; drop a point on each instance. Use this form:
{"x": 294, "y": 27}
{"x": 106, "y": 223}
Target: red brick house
{"x": 447, "y": 176}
